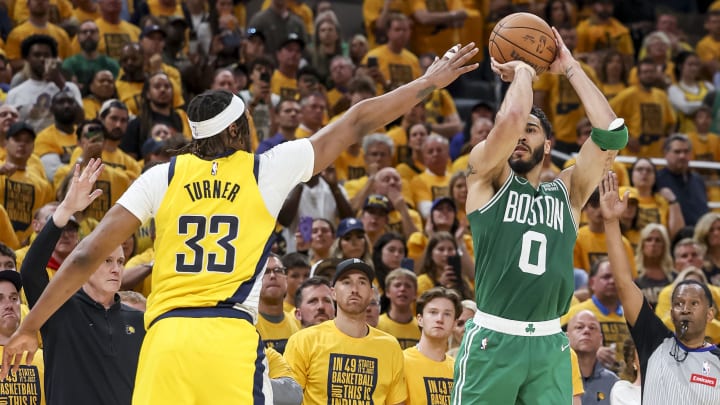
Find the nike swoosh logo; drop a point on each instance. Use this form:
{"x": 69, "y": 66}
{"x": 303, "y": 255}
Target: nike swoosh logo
{"x": 564, "y": 347}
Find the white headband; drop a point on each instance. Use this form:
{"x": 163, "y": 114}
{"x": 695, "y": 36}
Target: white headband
{"x": 215, "y": 125}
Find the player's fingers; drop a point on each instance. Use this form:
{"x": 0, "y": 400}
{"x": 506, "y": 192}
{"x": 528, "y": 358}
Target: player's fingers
{"x": 29, "y": 358}
{"x": 462, "y": 58}
{"x": 94, "y": 195}
{"x": 469, "y": 68}
{"x": 5, "y": 365}
{"x": 16, "y": 362}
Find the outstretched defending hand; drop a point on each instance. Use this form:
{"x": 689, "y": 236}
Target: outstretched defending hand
{"x": 445, "y": 70}
{"x": 610, "y": 204}
{"x": 80, "y": 193}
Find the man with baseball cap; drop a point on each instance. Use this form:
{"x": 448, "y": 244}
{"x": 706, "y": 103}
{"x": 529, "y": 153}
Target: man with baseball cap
{"x": 288, "y": 56}
{"x": 374, "y": 216}
{"x": 276, "y": 23}
{"x": 345, "y": 358}
{"x": 22, "y": 191}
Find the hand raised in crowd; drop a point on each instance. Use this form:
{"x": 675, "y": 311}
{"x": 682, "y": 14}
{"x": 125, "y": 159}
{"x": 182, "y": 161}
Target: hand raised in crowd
{"x": 330, "y": 176}
{"x": 395, "y": 195}
{"x": 447, "y": 278}
{"x": 611, "y": 206}
{"x": 445, "y": 70}
{"x": 53, "y": 73}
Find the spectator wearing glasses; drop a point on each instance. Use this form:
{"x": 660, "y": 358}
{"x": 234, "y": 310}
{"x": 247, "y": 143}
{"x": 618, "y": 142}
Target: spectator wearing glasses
{"x": 273, "y": 324}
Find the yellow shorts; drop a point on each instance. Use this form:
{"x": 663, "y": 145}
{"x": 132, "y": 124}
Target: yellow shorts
{"x": 202, "y": 361}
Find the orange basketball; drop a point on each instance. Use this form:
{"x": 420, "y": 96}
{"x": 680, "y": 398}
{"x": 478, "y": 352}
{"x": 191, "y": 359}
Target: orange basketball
{"x": 525, "y": 37}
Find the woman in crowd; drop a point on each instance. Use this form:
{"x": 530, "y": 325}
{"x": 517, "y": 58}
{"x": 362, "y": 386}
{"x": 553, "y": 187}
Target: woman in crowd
{"x": 687, "y": 95}
{"x": 458, "y": 193}
{"x": 654, "y": 263}
{"x": 352, "y": 242}
{"x": 656, "y": 46}
{"x": 627, "y": 391}
{"x": 388, "y": 252}
{"x": 443, "y": 218}
{"x": 441, "y": 266}
{"x": 658, "y": 206}
{"x": 413, "y": 164}
{"x": 327, "y": 43}
{"x": 612, "y": 74}
{"x": 707, "y": 233}
{"x": 101, "y": 89}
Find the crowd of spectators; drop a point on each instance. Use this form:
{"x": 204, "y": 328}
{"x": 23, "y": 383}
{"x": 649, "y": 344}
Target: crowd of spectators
{"x": 109, "y": 79}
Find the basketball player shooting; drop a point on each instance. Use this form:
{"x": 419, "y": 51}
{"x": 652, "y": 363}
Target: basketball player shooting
{"x": 215, "y": 206}
{"x": 523, "y": 232}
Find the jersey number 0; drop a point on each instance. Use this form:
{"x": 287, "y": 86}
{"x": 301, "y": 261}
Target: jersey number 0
{"x": 199, "y": 256}
{"x": 533, "y": 253}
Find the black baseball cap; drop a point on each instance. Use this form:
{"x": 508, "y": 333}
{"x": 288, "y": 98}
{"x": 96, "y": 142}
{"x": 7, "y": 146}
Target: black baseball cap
{"x": 293, "y": 37}
{"x": 254, "y": 32}
{"x": 353, "y": 264}
{"x": 152, "y": 28}
{"x": 18, "y": 127}
{"x": 13, "y": 277}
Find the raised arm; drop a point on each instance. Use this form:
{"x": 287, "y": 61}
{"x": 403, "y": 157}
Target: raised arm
{"x": 612, "y": 208}
{"x": 592, "y": 161}
{"x": 373, "y": 113}
{"x": 488, "y": 159}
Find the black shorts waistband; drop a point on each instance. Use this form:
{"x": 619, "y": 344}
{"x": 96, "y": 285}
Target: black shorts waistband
{"x": 209, "y": 312}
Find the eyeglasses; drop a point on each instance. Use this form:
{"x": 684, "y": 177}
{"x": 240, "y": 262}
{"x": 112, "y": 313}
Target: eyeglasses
{"x": 278, "y": 271}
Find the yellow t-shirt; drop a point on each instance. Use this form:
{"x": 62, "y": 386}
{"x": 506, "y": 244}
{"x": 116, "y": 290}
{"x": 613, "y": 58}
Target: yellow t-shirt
{"x": 398, "y": 135}
{"x": 669, "y": 72}
{"x": 395, "y": 221}
{"x": 593, "y": 37}
{"x": 352, "y": 187}
{"x": 349, "y": 166}
{"x": 708, "y": 49}
{"x": 649, "y": 118}
{"x": 147, "y": 256}
{"x": 276, "y": 335}
{"x": 652, "y": 209}
{"x": 59, "y": 10}
{"x": 591, "y": 247}
{"x": 22, "y": 193}
{"x": 372, "y": 10}
{"x": 433, "y": 38}
{"x": 34, "y": 164}
{"x": 81, "y": 15}
{"x": 407, "y": 172}
{"x": 331, "y": 366}
{"x": 7, "y": 234}
{"x": 277, "y": 366}
{"x": 398, "y": 69}
{"x": 577, "y": 382}
{"x": 27, "y": 386}
{"x": 439, "y": 105}
{"x": 612, "y": 90}
{"x": 24, "y": 30}
{"x": 52, "y": 140}
{"x": 428, "y": 381}
{"x": 112, "y": 37}
{"x": 428, "y": 187}
{"x": 285, "y": 87}
{"x": 407, "y": 334}
{"x": 565, "y": 108}
{"x": 130, "y": 92}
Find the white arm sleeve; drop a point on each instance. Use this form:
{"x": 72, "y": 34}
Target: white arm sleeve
{"x": 145, "y": 194}
{"x": 281, "y": 169}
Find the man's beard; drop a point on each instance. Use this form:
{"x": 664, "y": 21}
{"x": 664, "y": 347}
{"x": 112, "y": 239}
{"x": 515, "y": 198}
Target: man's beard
{"x": 66, "y": 117}
{"x": 522, "y": 167}
{"x": 115, "y": 135}
{"x": 89, "y": 45}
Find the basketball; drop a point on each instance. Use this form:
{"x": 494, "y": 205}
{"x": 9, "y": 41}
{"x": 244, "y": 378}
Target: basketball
{"x": 525, "y": 37}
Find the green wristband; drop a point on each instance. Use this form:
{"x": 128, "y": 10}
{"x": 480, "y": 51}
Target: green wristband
{"x": 610, "y": 140}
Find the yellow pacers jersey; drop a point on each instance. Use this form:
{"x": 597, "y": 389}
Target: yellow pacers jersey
{"x": 276, "y": 335}
{"x": 428, "y": 381}
{"x": 203, "y": 258}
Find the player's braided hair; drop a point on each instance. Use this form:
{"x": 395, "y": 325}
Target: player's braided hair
{"x": 206, "y": 106}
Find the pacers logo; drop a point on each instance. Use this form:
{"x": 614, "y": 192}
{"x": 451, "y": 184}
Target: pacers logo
{"x": 351, "y": 379}
{"x": 438, "y": 390}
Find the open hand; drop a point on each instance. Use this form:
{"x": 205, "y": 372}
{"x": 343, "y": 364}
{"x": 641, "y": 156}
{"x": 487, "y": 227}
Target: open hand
{"x": 445, "y": 70}
{"x": 20, "y": 342}
{"x": 611, "y": 206}
{"x": 80, "y": 193}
